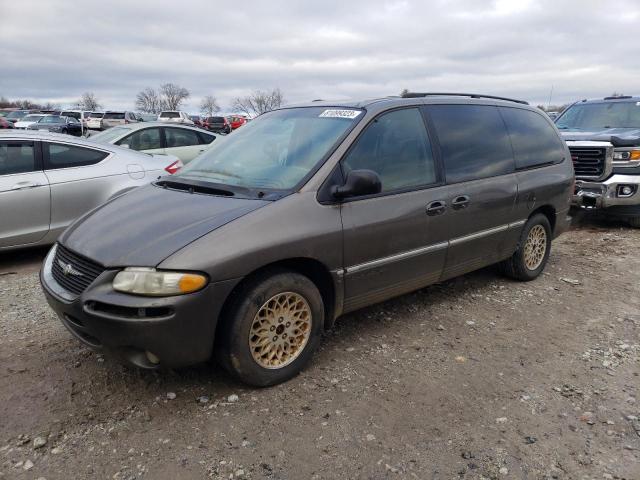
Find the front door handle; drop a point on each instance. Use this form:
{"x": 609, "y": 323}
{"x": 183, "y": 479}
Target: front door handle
{"x": 460, "y": 202}
{"x": 24, "y": 185}
{"x": 436, "y": 207}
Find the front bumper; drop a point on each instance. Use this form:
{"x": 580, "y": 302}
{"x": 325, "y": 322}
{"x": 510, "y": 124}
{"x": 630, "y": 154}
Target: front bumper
{"x": 177, "y": 331}
{"x": 608, "y": 193}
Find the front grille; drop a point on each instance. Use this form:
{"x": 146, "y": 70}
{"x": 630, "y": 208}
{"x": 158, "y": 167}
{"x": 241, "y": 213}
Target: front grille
{"x": 73, "y": 272}
{"x": 588, "y": 161}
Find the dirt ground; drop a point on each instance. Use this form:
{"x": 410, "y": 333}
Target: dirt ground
{"x": 478, "y": 377}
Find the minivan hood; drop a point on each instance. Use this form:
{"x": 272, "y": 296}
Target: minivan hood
{"x": 603, "y": 135}
{"x": 148, "y": 224}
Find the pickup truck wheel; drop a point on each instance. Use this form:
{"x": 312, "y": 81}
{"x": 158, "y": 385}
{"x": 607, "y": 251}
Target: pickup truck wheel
{"x": 634, "y": 222}
{"x": 272, "y": 328}
{"x": 534, "y": 247}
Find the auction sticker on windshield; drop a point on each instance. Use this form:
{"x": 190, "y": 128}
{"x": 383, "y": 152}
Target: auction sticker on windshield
{"x": 350, "y": 114}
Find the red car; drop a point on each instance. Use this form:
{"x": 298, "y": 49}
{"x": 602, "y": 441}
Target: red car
{"x": 237, "y": 121}
{"x": 4, "y": 123}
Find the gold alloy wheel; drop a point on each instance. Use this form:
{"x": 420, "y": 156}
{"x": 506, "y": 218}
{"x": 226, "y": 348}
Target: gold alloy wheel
{"x": 280, "y": 330}
{"x": 535, "y": 247}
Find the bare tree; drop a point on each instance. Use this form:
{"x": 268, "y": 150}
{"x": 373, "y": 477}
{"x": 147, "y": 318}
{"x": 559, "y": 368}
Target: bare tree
{"x": 404, "y": 92}
{"x": 173, "y": 96}
{"x": 88, "y": 101}
{"x": 259, "y": 102}
{"x": 209, "y": 105}
{"x": 148, "y": 101}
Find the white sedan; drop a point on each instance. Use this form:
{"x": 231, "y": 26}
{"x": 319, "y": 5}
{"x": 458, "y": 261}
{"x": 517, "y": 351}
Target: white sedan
{"x": 183, "y": 141}
{"x": 47, "y": 180}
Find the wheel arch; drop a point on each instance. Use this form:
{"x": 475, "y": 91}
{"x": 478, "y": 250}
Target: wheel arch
{"x": 548, "y": 211}
{"x": 311, "y": 268}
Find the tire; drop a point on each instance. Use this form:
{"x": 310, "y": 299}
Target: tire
{"x": 634, "y": 222}
{"x": 63, "y": 131}
{"x": 525, "y": 265}
{"x": 248, "y": 320}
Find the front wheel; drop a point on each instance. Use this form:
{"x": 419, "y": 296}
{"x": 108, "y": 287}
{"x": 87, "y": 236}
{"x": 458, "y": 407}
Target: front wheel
{"x": 534, "y": 247}
{"x": 270, "y": 331}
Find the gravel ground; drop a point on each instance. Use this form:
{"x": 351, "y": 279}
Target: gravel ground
{"x": 478, "y": 377}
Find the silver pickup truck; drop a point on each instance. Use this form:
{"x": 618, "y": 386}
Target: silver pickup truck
{"x": 604, "y": 140}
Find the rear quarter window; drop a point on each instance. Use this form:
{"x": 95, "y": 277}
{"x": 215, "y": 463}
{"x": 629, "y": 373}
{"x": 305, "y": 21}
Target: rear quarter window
{"x": 67, "y": 156}
{"x": 535, "y": 142}
{"x": 474, "y": 142}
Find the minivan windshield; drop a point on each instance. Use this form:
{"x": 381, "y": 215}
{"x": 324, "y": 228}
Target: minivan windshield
{"x": 276, "y": 151}
{"x": 597, "y": 116}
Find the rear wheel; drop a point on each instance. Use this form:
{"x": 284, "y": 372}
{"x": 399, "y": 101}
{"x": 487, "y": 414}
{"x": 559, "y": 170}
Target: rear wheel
{"x": 271, "y": 329}
{"x": 534, "y": 247}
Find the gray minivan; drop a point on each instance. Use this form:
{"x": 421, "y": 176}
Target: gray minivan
{"x": 307, "y": 213}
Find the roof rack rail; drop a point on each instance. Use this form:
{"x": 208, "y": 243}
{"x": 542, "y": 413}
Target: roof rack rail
{"x": 617, "y": 97}
{"x": 471, "y": 95}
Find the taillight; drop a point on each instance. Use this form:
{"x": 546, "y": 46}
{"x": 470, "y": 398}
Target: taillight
{"x": 174, "y": 167}
{"x": 126, "y": 121}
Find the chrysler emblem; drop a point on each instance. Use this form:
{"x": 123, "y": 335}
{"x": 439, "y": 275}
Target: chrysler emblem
{"x": 68, "y": 269}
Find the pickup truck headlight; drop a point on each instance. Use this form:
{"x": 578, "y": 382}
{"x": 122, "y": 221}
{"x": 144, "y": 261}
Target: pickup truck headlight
{"x": 153, "y": 283}
{"x": 626, "y": 154}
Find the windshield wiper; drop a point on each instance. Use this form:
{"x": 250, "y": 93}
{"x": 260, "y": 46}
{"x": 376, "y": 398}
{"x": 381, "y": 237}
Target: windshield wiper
{"x": 196, "y": 187}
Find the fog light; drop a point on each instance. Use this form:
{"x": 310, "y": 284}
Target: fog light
{"x": 151, "y": 357}
{"x": 626, "y": 190}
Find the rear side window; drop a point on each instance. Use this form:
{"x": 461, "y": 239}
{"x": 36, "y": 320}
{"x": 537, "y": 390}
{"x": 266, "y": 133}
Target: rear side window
{"x": 114, "y": 115}
{"x": 145, "y": 139}
{"x": 395, "y": 146}
{"x": 534, "y": 140}
{"x": 67, "y": 156}
{"x": 180, "y": 137}
{"x": 16, "y": 157}
{"x": 204, "y": 138}
{"x": 473, "y": 141}
{"x": 75, "y": 115}
{"x": 170, "y": 114}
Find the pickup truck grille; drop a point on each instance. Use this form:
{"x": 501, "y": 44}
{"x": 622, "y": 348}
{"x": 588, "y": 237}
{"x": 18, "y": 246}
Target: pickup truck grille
{"x": 73, "y": 272}
{"x": 588, "y": 161}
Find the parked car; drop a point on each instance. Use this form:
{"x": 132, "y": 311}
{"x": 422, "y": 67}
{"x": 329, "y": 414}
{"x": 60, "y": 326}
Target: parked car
{"x": 307, "y": 213}
{"x": 237, "y": 121}
{"x": 16, "y": 115}
{"x": 217, "y": 124}
{"x": 28, "y": 120}
{"x": 553, "y": 115}
{"x": 604, "y": 139}
{"x": 80, "y": 115}
{"x": 48, "y": 180}
{"x": 4, "y": 123}
{"x": 94, "y": 122}
{"x": 174, "y": 116}
{"x": 197, "y": 120}
{"x": 148, "y": 117}
{"x": 58, "y": 124}
{"x": 183, "y": 141}
{"x": 111, "y": 118}
{"x": 6, "y": 111}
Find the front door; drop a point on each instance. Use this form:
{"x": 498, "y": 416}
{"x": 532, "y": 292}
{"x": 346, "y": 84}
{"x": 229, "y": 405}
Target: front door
{"x": 24, "y": 194}
{"x": 395, "y": 241}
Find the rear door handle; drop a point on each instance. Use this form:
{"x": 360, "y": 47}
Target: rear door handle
{"x": 24, "y": 185}
{"x": 436, "y": 207}
{"x": 460, "y": 202}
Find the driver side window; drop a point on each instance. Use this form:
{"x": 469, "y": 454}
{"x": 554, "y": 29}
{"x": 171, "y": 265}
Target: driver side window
{"x": 396, "y": 146}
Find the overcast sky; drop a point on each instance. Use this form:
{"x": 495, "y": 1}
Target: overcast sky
{"x": 331, "y": 49}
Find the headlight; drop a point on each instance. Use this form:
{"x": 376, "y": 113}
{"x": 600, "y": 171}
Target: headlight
{"x": 626, "y": 155}
{"x": 153, "y": 283}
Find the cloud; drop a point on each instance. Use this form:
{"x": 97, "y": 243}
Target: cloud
{"x": 331, "y": 49}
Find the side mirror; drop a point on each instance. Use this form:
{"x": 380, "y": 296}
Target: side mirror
{"x": 359, "y": 182}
